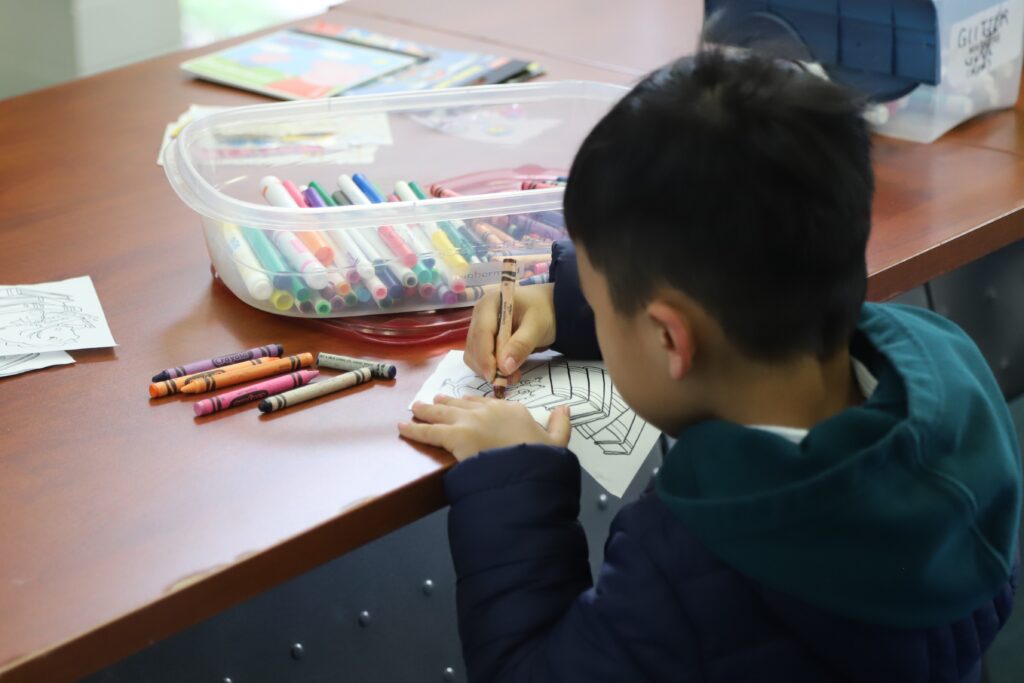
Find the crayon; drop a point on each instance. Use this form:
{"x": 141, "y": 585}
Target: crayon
{"x": 316, "y": 390}
{"x": 537, "y": 185}
{"x": 532, "y": 225}
{"x": 169, "y": 387}
{"x": 269, "y": 256}
{"x": 256, "y": 280}
{"x": 380, "y": 369}
{"x": 507, "y": 294}
{"x": 554, "y": 218}
{"x": 286, "y": 364}
{"x": 442, "y": 192}
{"x": 219, "y": 361}
{"x": 488, "y": 236}
{"x": 483, "y": 228}
{"x": 253, "y": 392}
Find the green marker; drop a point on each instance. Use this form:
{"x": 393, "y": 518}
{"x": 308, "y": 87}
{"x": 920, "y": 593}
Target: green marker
{"x": 313, "y": 185}
{"x": 423, "y": 275}
{"x": 269, "y": 257}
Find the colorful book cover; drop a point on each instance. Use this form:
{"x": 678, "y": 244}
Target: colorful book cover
{"x": 324, "y": 59}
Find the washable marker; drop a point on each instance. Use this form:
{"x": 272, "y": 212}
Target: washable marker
{"x": 315, "y": 390}
{"x": 343, "y": 258}
{"x": 379, "y": 369}
{"x": 337, "y": 303}
{"x": 442, "y": 243}
{"x": 274, "y": 191}
{"x": 478, "y": 245}
{"x": 321, "y": 305}
{"x": 255, "y": 279}
{"x": 363, "y": 294}
{"x": 352, "y": 298}
{"x": 341, "y": 285}
{"x": 446, "y": 295}
{"x": 340, "y": 199}
{"x": 275, "y": 367}
{"x": 506, "y": 297}
{"x": 219, "y": 361}
{"x": 268, "y": 255}
{"x": 281, "y": 300}
{"x": 401, "y": 271}
{"x": 351, "y": 190}
{"x": 295, "y": 194}
{"x": 300, "y": 292}
{"x": 385, "y": 270}
{"x": 361, "y": 262}
{"x": 324, "y": 197}
{"x": 307, "y": 307}
{"x": 418, "y": 241}
{"x": 313, "y": 200}
{"x": 394, "y": 242}
{"x": 169, "y": 387}
{"x": 417, "y": 190}
{"x": 445, "y": 276}
{"x": 424, "y": 276}
{"x": 367, "y": 188}
{"x": 300, "y": 258}
{"x": 254, "y": 392}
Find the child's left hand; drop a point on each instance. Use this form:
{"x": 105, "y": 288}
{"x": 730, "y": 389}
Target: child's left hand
{"x": 466, "y": 426}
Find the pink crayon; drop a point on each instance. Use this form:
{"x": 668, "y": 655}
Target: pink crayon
{"x": 253, "y": 392}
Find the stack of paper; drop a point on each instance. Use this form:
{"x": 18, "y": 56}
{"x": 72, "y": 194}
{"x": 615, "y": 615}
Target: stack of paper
{"x": 38, "y": 323}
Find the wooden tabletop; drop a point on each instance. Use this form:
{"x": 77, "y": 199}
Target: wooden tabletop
{"x": 125, "y": 520}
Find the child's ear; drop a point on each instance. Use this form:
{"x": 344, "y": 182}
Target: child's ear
{"x": 676, "y": 336}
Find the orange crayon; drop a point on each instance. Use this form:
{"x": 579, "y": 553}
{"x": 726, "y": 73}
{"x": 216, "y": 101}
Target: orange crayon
{"x": 274, "y": 367}
{"x": 174, "y": 386}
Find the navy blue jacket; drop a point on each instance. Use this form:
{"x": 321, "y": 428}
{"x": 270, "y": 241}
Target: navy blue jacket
{"x": 666, "y": 607}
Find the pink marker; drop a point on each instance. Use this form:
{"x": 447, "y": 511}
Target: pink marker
{"x": 397, "y": 245}
{"x": 295, "y": 194}
{"x": 253, "y": 392}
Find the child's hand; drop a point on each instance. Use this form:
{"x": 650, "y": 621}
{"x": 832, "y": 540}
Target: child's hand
{"x": 533, "y": 324}
{"x": 466, "y": 426}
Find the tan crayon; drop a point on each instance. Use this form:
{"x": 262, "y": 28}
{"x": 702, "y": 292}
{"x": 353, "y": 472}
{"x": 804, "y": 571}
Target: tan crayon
{"x": 506, "y": 296}
{"x": 310, "y": 391}
{"x": 174, "y": 386}
{"x": 275, "y": 367}
{"x": 378, "y": 369}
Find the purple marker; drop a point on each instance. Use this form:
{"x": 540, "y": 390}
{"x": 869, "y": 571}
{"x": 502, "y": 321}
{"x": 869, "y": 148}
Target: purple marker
{"x": 313, "y": 198}
{"x": 220, "y": 361}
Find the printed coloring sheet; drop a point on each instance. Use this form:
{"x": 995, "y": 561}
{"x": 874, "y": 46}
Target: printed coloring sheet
{"x": 609, "y": 439}
{"x": 39, "y": 321}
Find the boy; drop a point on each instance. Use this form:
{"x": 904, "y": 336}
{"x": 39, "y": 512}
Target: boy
{"x": 843, "y": 498}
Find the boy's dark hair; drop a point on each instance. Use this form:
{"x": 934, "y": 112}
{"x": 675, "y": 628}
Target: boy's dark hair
{"x": 744, "y": 182}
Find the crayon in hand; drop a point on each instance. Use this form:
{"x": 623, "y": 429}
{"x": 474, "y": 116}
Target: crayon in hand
{"x": 506, "y": 296}
{"x": 275, "y": 367}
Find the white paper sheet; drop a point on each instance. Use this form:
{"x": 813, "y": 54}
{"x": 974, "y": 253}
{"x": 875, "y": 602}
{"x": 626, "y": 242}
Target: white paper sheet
{"x": 52, "y": 316}
{"x": 15, "y": 365}
{"x": 609, "y": 439}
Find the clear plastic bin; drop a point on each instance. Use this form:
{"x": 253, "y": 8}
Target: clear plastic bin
{"x": 403, "y": 254}
{"x": 981, "y": 44}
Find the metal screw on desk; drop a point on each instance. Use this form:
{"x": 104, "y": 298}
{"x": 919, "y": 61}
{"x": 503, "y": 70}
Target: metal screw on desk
{"x": 298, "y": 651}
{"x": 428, "y": 587}
{"x": 602, "y": 501}
{"x": 364, "y": 618}
{"x": 449, "y": 673}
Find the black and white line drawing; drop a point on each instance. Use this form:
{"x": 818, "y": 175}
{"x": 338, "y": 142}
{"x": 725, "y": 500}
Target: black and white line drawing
{"x": 597, "y": 411}
{"x": 32, "y": 317}
{"x": 51, "y": 316}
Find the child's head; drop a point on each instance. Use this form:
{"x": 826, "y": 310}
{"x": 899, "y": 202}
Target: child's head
{"x": 721, "y": 209}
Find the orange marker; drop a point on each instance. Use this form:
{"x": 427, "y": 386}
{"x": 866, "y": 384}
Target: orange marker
{"x": 174, "y": 386}
{"x": 274, "y": 367}
{"x": 506, "y": 295}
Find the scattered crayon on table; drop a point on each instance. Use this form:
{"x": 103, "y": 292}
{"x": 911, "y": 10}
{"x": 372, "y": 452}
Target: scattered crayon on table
{"x": 253, "y": 392}
{"x": 316, "y": 390}
{"x": 380, "y": 369}
{"x": 286, "y": 364}
{"x": 219, "y": 361}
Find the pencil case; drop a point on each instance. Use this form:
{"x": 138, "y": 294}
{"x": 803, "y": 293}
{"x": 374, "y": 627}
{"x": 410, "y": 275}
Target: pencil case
{"x": 386, "y": 204}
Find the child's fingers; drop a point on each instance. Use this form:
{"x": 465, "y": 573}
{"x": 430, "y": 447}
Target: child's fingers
{"x": 466, "y": 403}
{"x": 559, "y": 426}
{"x": 479, "y": 354}
{"x": 432, "y": 435}
{"x": 434, "y": 412}
{"x": 524, "y": 340}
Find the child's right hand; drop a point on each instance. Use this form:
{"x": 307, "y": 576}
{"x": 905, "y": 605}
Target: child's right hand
{"x": 533, "y": 328}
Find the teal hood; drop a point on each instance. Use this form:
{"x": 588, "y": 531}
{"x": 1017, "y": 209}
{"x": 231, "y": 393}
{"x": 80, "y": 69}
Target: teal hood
{"x": 900, "y": 512}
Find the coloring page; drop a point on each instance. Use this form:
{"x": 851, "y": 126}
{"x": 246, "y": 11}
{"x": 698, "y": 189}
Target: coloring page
{"x": 610, "y": 440}
{"x": 15, "y": 365}
{"x": 52, "y": 316}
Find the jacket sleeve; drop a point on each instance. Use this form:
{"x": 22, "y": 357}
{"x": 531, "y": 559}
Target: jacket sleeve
{"x": 526, "y": 607}
{"x": 574, "y": 319}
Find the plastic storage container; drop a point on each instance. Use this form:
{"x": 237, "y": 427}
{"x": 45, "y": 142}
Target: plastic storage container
{"x": 981, "y": 44}
{"x": 407, "y": 254}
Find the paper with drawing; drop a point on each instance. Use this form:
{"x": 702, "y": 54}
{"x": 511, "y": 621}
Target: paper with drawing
{"x": 25, "y": 362}
{"x": 609, "y": 439}
{"x": 51, "y": 316}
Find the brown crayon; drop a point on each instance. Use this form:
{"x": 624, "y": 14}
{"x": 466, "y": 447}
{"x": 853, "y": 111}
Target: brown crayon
{"x": 169, "y": 387}
{"x": 275, "y": 367}
{"x": 506, "y": 296}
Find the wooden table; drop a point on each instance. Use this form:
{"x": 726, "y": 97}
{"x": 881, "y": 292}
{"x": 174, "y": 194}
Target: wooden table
{"x": 123, "y": 520}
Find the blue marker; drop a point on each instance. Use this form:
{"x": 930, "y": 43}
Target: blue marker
{"x": 367, "y": 188}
